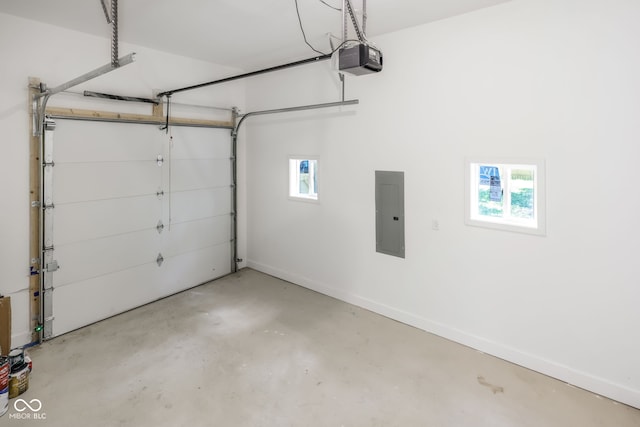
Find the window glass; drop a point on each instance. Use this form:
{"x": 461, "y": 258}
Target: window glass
{"x": 303, "y": 178}
{"x": 522, "y": 188}
{"x": 506, "y": 196}
{"x": 490, "y": 191}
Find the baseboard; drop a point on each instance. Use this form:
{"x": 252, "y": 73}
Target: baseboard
{"x": 553, "y": 369}
{"x": 21, "y": 339}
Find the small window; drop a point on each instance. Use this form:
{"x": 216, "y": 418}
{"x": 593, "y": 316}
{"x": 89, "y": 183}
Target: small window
{"x": 506, "y": 195}
{"x": 303, "y": 178}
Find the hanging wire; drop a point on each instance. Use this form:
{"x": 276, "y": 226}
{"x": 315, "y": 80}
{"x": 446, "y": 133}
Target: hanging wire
{"x": 106, "y": 12}
{"x": 332, "y": 7}
{"x": 303, "y": 33}
{"x": 354, "y": 21}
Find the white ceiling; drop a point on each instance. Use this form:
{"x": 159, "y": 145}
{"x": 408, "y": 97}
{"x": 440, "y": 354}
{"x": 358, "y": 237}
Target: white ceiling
{"x": 245, "y": 34}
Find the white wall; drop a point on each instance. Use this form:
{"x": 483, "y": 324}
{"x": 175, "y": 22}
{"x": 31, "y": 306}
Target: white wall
{"x": 56, "y": 55}
{"x": 552, "y": 79}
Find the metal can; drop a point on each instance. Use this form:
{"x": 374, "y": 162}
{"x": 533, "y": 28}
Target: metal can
{"x": 16, "y": 359}
{"x": 4, "y": 385}
{"x": 18, "y": 381}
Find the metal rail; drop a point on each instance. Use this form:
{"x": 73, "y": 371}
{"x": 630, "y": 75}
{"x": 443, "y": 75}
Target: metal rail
{"x": 234, "y": 151}
{"x": 125, "y": 60}
{"x": 40, "y": 100}
{"x": 133, "y": 121}
{"x": 234, "y": 191}
{"x": 299, "y": 108}
{"x": 245, "y": 75}
{"x": 120, "y": 97}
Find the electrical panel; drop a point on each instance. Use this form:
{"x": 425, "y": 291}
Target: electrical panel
{"x": 390, "y": 213}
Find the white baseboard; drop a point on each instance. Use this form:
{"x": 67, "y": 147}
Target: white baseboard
{"x": 20, "y": 339}
{"x": 553, "y": 369}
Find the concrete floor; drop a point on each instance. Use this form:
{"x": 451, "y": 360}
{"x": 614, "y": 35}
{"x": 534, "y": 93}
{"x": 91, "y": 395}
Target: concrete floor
{"x": 251, "y": 350}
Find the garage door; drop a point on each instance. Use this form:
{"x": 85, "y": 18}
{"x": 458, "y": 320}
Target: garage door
{"x": 132, "y": 214}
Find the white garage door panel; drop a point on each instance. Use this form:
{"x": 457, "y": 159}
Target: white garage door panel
{"x": 92, "y": 258}
{"x": 105, "y": 240}
{"x": 193, "y": 235}
{"x": 189, "y": 269}
{"x": 199, "y": 204}
{"x": 105, "y": 180}
{"x": 106, "y": 142}
{"x": 88, "y": 301}
{"x": 200, "y": 143}
{"x": 91, "y": 220}
{"x": 191, "y": 174}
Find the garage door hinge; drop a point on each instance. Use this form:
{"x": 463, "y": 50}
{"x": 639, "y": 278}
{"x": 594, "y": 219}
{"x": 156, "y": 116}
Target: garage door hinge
{"x": 52, "y": 266}
{"x": 160, "y": 227}
{"x": 45, "y": 164}
{"x": 159, "y": 260}
{"x": 49, "y": 124}
{"x": 49, "y": 206}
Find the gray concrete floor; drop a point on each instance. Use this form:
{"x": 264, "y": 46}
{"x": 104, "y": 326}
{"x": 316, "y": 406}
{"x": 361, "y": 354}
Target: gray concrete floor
{"x": 252, "y": 350}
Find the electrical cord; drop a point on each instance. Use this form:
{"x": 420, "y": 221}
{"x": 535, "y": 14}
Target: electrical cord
{"x": 352, "y": 14}
{"x": 303, "y": 34}
{"x": 332, "y": 7}
{"x": 343, "y": 43}
{"x": 361, "y": 38}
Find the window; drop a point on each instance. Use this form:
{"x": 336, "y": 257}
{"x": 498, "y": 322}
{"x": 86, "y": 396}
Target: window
{"x": 303, "y": 178}
{"x": 506, "y": 195}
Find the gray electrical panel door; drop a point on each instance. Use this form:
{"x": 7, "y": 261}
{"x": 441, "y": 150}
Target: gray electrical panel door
{"x": 390, "y": 213}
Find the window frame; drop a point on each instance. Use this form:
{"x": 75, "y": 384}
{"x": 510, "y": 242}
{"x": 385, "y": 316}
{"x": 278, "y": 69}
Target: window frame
{"x": 537, "y": 226}
{"x": 293, "y": 178}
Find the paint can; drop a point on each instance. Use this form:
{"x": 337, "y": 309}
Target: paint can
{"x": 28, "y": 361}
{"x": 4, "y": 385}
{"x": 18, "y": 380}
{"x": 16, "y": 358}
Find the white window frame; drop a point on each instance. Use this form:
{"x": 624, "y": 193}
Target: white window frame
{"x": 294, "y": 178}
{"x": 536, "y": 226}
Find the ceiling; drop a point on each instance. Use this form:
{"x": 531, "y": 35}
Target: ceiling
{"x": 245, "y": 34}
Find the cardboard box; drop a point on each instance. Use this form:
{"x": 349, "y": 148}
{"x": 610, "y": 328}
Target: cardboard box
{"x": 5, "y": 325}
